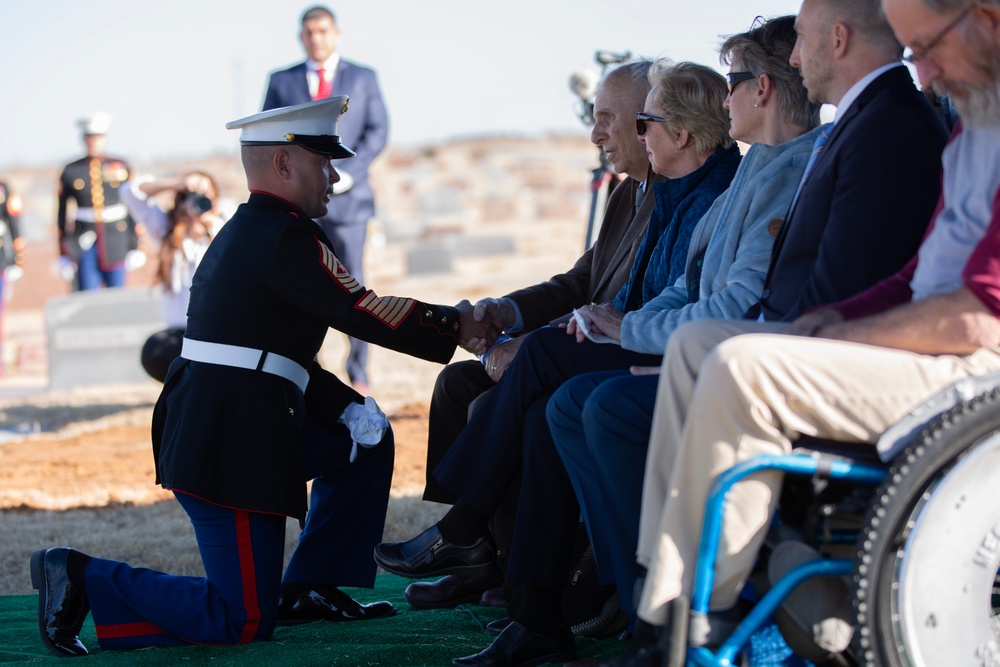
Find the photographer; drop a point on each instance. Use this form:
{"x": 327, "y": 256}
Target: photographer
{"x": 183, "y": 233}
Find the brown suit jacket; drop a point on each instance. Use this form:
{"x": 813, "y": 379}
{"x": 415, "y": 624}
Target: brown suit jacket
{"x": 602, "y": 270}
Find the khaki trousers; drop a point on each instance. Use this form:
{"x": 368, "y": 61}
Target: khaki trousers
{"x": 724, "y": 397}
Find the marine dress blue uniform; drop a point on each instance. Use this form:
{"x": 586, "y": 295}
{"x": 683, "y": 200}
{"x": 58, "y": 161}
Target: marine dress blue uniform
{"x": 237, "y": 445}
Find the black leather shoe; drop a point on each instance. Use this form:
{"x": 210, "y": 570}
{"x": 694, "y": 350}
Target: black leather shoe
{"x": 61, "y": 607}
{"x": 494, "y": 628}
{"x": 450, "y": 591}
{"x": 327, "y": 603}
{"x": 517, "y": 646}
{"x": 429, "y": 555}
{"x": 494, "y": 597}
{"x": 644, "y": 650}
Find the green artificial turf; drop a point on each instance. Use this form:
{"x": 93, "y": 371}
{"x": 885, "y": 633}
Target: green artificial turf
{"x": 410, "y": 638}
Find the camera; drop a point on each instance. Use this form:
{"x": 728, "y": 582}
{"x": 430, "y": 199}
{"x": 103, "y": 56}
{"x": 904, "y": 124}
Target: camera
{"x": 198, "y": 202}
{"x": 606, "y": 58}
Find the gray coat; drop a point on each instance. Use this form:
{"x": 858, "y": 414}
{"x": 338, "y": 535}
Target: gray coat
{"x": 736, "y": 235}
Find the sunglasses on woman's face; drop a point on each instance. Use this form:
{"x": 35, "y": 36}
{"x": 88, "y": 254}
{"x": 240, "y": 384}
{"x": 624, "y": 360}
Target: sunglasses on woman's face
{"x": 736, "y": 78}
{"x": 642, "y": 118}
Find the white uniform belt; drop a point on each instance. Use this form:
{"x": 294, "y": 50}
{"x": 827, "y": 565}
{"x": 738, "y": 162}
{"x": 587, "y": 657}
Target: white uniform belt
{"x": 112, "y": 213}
{"x": 245, "y": 357}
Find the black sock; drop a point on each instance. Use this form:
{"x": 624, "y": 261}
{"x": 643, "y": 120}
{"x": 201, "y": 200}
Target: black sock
{"x": 76, "y": 565}
{"x": 540, "y": 609}
{"x": 463, "y": 525}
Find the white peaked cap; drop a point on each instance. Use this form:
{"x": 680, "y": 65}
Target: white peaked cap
{"x": 97, "y": 123}
{"x": 312, "y": 125}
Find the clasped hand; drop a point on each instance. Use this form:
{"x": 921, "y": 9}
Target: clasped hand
{"x": 479, "y": 326}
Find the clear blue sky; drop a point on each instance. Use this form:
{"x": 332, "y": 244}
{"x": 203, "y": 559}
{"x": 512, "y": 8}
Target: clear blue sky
{"x": 173, "y": 72}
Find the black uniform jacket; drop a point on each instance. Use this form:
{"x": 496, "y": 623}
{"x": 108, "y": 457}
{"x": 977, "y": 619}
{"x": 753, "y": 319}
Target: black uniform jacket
{"x": 93, "y": 183}
{"x": 270, "y": 281}
{"x": 10, "y": 212}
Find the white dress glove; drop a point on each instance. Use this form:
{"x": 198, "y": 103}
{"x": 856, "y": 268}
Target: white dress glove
{"x": 367, "y": 424}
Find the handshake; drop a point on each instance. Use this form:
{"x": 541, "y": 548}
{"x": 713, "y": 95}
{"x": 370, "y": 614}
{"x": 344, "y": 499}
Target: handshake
{"x": 480, "y": 325}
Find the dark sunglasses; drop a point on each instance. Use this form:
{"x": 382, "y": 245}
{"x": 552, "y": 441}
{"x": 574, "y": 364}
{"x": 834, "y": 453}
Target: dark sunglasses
{"x": 736, "y": 78}
{"x": 642, "y": 118}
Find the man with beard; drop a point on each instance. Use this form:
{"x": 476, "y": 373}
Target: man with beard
{"x": 852, "y": 368}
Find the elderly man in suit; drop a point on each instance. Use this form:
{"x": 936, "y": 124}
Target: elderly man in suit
{"x": 365, "y": 128}
{"x": 596, "y": 277}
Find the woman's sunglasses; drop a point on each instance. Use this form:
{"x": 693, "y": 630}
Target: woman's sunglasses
{"x": 642, "y": 118}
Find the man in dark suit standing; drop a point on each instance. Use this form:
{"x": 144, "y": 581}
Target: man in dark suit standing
{"x": 365, "y": 128}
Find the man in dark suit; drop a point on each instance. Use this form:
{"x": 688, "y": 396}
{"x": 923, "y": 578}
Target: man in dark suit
{"x": 862, "y": 208}
{"x": 365, "y": 129}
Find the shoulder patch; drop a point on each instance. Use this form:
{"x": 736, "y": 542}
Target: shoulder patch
{"x": 391, "y": 310}
{"x": 336, "y": 270}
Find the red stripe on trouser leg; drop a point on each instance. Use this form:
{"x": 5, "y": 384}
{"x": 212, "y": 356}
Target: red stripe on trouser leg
{"x": 249, "y": 575}
{"x": 122, "y": 630}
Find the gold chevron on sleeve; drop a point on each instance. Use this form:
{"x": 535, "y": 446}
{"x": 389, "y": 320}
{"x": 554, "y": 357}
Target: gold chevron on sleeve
{"x": 336, "y": 269}
{"x": 391, "y": 310}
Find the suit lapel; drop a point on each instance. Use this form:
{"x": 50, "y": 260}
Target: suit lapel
{"x": 885, "y": 80}
{"x": 301, "y": 83}
{"x": 635, "y": 233}
{"x": 343, "y": 80}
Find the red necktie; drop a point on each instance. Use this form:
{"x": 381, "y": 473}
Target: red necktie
{"x": 324, "y": 89}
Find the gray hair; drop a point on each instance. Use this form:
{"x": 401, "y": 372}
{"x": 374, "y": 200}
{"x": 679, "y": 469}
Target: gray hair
{"x": 765, "y": 49}
{"x": 638, "y": 69}
{"x": 690, "y": 97}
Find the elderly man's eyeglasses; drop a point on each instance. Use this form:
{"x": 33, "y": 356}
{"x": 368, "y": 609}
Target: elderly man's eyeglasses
{"x": 916, "y": 55}
{"x": 642, "y": 118}
{"x": 736, "y": 78}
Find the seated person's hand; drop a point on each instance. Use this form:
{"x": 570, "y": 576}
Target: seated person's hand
{"x": 498, "y": 309}
{"x": 644, "y": 370}
{"x": 500, "y": 357}
{"x": 603, "y": 321}
{"x": 810, "y": 323}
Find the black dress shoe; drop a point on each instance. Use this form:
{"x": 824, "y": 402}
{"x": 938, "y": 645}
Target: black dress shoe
{"x": 327, "y": 603}
{"x": 450, "y": 591}
{"x": 494, "y": 628}
{"x": 517, "y": 646}
{"x": 494, "y": 597}
{"x": 429, "y": 555}
{"x": 61, "y": 607}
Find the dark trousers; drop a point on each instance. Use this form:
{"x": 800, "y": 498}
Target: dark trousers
{"x": 235, "y": 603}
{"x": 508, "y": 435}
{"x": 349, "y": 245}
{"x": 601, "y": 423}
{"x": 91, "y": 275}
{"x": 242, "y": 552}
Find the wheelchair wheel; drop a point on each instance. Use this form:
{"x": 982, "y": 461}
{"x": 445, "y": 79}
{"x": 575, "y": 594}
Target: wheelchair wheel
{"x": 927, "y": 580}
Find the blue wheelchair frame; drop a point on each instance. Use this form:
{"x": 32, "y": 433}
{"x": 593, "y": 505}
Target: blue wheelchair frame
{"x": 795, "y": 464}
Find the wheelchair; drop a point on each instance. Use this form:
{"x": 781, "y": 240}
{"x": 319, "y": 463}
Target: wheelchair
{"x": 925, "y": 569}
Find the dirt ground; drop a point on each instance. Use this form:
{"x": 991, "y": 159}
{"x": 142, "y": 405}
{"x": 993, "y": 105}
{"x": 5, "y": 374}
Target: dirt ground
{"x": 90, "y": 485}
{"x": 112, "y": 463}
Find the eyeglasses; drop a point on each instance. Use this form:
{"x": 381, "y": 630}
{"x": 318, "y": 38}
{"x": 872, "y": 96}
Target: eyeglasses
{"x": 642, "y": 118}
{"x": 915, "y": 55}
{"x": 736, "y": 78}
